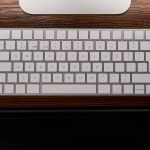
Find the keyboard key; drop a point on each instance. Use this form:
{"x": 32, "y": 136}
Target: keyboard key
{"x": 72, "y": 34}
{"x": 33, "y": 88}
{"x": 104, "y": 89}
{"x": 50, "y": 34}
{"x": 4, "y": 56}
{"x": 27, "y": 34}
{"x": 141, "y": 78}
{"x": 68, "y": 89}
{"x": 38, "y": 34}
{"x": 16, "y": 34}
{"x": 128, "y": 89}
{"x": 5, "y": 66}
{"x": 20, "y": 89}
{"x": 4, "y": 34}
{"x": 8, "y": 88}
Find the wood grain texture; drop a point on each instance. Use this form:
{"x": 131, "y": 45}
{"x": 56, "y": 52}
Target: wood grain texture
{"x": 12, "y": 16}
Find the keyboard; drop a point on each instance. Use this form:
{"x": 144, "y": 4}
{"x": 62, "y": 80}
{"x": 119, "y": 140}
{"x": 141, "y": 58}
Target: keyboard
{"x": 74, "y": 61}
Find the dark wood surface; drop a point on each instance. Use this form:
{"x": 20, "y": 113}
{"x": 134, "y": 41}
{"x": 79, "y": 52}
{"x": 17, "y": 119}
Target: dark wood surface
{"x": 11, "y": 15}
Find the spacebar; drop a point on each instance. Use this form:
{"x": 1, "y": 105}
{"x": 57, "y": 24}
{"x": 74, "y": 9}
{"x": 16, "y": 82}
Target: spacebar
{"x": 68, "y": 89}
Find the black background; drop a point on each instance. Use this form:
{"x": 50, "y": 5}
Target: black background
{"x": 74, "y": 130}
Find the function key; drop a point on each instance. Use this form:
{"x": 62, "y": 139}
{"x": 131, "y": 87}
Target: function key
{"x": 4, "y": 34}
{"x": 16, "y": 34}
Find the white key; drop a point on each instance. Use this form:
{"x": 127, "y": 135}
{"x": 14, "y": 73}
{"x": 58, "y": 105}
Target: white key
{"x": 86, "y": 67}
{"x": 77, "y": 45}
{"x": 44, "y": 45}
{"x": 4, "y": 34}
{"x": 46, "y": 77}
{"x": 38, "y": 56}
{"x": 57, "y": 78}
{"x": 147, "y": 35}
{"x": 128, "y": 56}
{"x": 128, "y": 89}
{"x": 131, "y": 67}
{"x": 142, "y": 67}
{"x": 117, "y": 89}
{"x": 66, "y": 45}
{"x": 91, "y": 78}
{"x": 125, "y": 78}
{"x": 94, "y": 56}
{"x": 2, "y": 77}
{"x": 4, "y": 56}
{"x": 105, "y": 35}
{"x": 128, "y": 35}
{"x": 139, "y": 35}
{"x": 55, "y": 45}
{"x": 72, "y": 34}
{"x": 111, "y": 45}
{"x": 139, "y": 87}
{"x": 10, "y": 45}
{"x": 61, "y": 34}
{"x": 72, "y": 56}
{"x": 8, "y": 88}
{"x": 26, "y": 56}
{"x": 18, "y": 67}
{"x": 147, "y": 56}
{"x": 133, "y": 45}
{"x": 83, "y": 34}
{"x": 105, "y": 56}
{"x": 83, "y": 56}
{"x": 33, "y": 45}
{"x": 29, "y": 67}
{"x": 102, "y": 78}
{"x": 97, "y": 67}
{"x": 117, "y": 35}
{"x": 27, "y": 34}
{"x": 23, "y": 78}
{"x": 34, "y": 78}
{"x": 1, "y": 89}
{"x": 74, "y": 67}
{"x": 80, "y": 78}
{"x": 117, "y": 56}
{"x": 141, "y": 78}
{"x": 100, "y": 45}
{"x": 38, "y": 34}
{"x": 68, "y": 78}
{"x": 52, "y": 67}
{"x": 12, "y": 77}
{"x": 89, "y": 45}
{"x": 145, "y": 46}
{"x": 16, "y": 34}
{"x": 94, "y": 35}
{"x": 114, "y": 78}
{"x": 147, "y": 89}
{"x": 21, "y": 45}
{"x": 15, "y": 56}
{"x": 5, "y": 66}
{"x": 119, "y": 67}
{"x": 1, "y": 45}
{"x": 40, "y": 67}
{"x": 50, "y": 34}
{"x": 49, "y": 56}
{"x": 68, "y": 89}
{"x": 20, "y": 89}
{"x": 60, "y": 56}
{"x": 33, "y": 88}
{"x": 108, "y": 67}
{"x": 104, "y": 89}
{"x": 122, "y": 45}
{"x": 63, "y": 67}
{"x": 139, "y": 56}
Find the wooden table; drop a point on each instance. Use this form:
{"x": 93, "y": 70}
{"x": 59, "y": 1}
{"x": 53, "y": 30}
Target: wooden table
{"x": 137, "y": 17}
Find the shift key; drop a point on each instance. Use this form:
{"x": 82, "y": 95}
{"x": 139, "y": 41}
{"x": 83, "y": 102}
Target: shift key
{"x": 141, "y": 78}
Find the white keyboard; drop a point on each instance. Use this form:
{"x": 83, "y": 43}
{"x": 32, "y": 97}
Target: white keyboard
{"x": 74, "y": 62}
